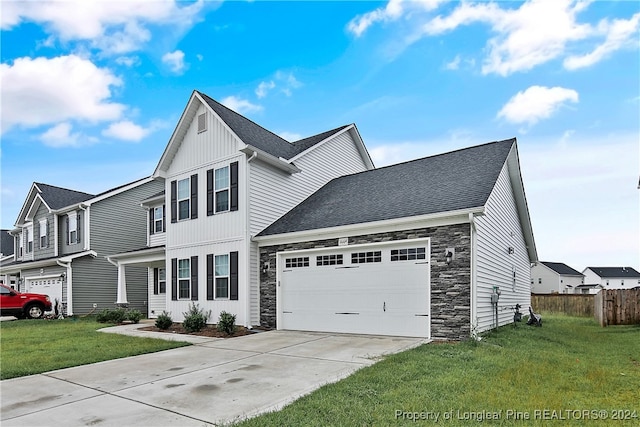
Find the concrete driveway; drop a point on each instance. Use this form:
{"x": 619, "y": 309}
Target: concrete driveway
{"x": 212, "y": 382}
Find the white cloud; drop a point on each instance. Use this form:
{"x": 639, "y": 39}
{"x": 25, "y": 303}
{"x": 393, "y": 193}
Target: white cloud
{"x": 536, "y": 103}
{"x": 264, "y": 88}
{"x": 239, "y": 105}
{"x": 111, "y": 26}
{"x": 393, "y": 11}
{"x": 619, "y": 33}
{"x": 61, "y": 136}
{"x": 454, "y": 64}
{"x": 126, "y": 131}
{"x": 128, "y": 61}
{"x": 43, "y": 91}
{"x": 175, "y": 61}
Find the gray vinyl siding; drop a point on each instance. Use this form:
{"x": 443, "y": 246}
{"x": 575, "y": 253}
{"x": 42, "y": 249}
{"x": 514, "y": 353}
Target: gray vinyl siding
{"x": 64, "y": 248}
{"x": 95, "y": 282}
{"x": 49, "y": 250}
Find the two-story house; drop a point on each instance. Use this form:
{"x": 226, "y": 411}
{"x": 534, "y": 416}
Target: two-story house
{"x": 227, "y": 178}
{"x": 62, "y": 238}
{"x": 611, "y": 278}
{"x": 555, "y": 278}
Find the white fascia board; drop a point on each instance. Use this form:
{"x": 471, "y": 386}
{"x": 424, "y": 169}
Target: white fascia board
{"x": 143, "y": 256}
{"x": 15, "y": 268}
{"x": 70, "y": 258}
{"x": 30, "y": 215}
{"x": 27, "y": 202}
{"x": 152, "y": 201}
{"x": 279, "y": 163}
{"x": 362, "y": 147}
{"x": 319, "y": 144}
{"x": 398, "y": 224}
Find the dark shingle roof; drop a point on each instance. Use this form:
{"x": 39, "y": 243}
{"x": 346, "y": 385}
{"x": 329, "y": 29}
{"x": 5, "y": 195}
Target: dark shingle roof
{"x": 562, "y": 268}
{"x": 617, "y": 272}
{"x": 58, "y": 197}
{"x": 447, "y": 182}
{"x": 6, "y": 243}
{"x": 255, "y": 135}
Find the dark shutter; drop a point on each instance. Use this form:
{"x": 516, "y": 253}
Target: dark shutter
{"x": 78, "y": 228}
{"x": 164, "y": 219}
{"x": 174, "y": 279}
{"x": 152, "y": 226}
{"x": 210, "y": 192}
{"x": 233, "y": 186}
{"x": 174, "y": 202}
{"x": 233, "y": 275}
{"x": 67, "y": 228}
{"x": 36, "y": 232}
{"x": 156, "y": 277}
{"x": 46, "y": 237}
{"x": 194, "y": 196}
{"x": 210, "y": 277}
{"x": 194, "y": 278}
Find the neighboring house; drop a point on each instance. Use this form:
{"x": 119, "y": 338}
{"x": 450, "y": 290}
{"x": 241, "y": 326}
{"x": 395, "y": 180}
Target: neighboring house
{"x": 555, "y": 278}
{"x": 612, "y": 277}
{"x": 415, "y": 249}
{"x": 6, "y": 255}
{"x": 62, "y": 238}
{"x": 226, "y": 179}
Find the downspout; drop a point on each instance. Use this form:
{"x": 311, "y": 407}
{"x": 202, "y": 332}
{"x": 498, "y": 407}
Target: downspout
{"x": 69, "y": 279}
{"x": 474, "y": 296}
{"x": 247, "y": 185}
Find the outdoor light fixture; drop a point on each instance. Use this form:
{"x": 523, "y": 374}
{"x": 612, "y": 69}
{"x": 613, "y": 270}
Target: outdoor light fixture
{"x": 62, "y": 276}
{"x": 510, "y": 250}
{"x": 449, "y": 255}
{"x": 265, "y": 267}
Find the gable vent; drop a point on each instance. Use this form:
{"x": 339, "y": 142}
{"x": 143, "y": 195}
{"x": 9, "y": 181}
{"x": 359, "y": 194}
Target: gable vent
{"x": 202, "y": 122}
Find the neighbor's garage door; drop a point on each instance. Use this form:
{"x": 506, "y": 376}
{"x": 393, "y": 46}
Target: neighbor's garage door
{"x": 380, "y": 289}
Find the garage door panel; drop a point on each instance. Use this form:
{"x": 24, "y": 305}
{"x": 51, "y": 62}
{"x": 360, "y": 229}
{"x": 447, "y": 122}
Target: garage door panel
{"x": 386, "y": 298}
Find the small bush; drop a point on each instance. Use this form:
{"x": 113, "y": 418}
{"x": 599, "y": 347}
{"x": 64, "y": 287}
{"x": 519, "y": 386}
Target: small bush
{"x": 195, "y": 319}
{"x": 117, "y": 315}
{"x": 227, "y": 323}
{"x": 164, "y": 321}
{"x": 134, "y": 316}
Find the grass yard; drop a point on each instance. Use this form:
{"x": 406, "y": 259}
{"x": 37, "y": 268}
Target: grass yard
{"x": 569, "y": 366}
{"x": 34, "y": 346}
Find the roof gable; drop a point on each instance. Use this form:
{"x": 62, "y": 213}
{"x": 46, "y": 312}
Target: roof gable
{"x": 615, "y": 272}
{"x": 561, "y": 268}
{"x": 454, "y": 181}
{"x": 53, "y": 197}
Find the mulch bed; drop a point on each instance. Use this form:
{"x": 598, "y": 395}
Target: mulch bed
{"x": 207, "y": 331}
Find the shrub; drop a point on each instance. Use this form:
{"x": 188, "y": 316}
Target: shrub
{"x": 164, "y": 321}
{"x": 134, "y": 315}
{"x": 117, "y": 315}
{"x": 227, "y": 323}
{"x": 195, "y": 319}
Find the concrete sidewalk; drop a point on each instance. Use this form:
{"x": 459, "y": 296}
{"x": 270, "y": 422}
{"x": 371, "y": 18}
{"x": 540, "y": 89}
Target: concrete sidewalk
{"x": 214, "y": 381}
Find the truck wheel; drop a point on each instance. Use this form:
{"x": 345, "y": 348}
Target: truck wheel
{"x": 34, "y": 311}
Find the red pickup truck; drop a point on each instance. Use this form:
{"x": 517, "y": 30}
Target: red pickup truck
{"x": 21, "y": 305}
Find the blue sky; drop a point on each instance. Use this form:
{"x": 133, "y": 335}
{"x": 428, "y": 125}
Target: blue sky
{"x": 91, "y": 92}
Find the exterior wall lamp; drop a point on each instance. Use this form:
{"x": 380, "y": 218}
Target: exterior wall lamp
{"x": 449, "y": 255}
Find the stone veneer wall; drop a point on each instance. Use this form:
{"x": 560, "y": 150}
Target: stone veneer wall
{"x": 450, "y": 284}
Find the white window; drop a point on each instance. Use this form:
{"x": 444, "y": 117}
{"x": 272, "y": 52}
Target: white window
{"x": 20, "y": 244}
{"x": 43, "y": 234}
{"x": 29, "y": 240}
{"x": 222, "y": 276}
{"x": 158, "y": 214}
{"x": 184, "y": 279}
{"x": 222, "y": 189}
{"x": 73, "y": 228}
{"x": 162, "y": 281}
{"x": 184, "y": 199}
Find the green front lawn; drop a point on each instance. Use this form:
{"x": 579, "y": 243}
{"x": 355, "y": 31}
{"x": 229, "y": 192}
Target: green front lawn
{"x": 34, "y": 346}
{"x": 550, "y": 375}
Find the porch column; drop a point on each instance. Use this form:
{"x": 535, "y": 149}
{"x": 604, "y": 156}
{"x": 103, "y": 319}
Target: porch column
{"x": 122, "y": 286}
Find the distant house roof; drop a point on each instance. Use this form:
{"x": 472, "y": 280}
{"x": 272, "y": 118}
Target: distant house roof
{"x": 58, "y": 197}
{"x": 6, "y": 243}
{"x": 452, "y": 181}
{"x": 615, "y": 272}
{"x": 562, "y": 269}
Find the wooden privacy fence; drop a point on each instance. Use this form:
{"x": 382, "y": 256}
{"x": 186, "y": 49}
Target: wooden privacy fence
{"x": 618, "y": 306}
{"x": 571, "y": 304}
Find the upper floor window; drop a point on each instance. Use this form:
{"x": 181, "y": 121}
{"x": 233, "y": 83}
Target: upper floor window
{"x": 222, "y": 189}
{"x": 20, "y": 244}
{"x": 72, "y": 221}
{"x": 158, "y": 219}
{"x": 184, "y": 278}
{"x": 29, "y": 240}
{"x": 43, "y": 234}
{"x": 183, "y": 199}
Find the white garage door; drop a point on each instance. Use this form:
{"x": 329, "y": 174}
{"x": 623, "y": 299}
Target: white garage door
{"x": 51, "y": 286}
{"x": 380, "y": 289}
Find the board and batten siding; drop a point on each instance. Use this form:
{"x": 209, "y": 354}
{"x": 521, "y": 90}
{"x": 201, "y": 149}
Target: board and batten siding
{"x": 49, "y": 250}
{"x": 157, "y": 302}
{"x": 497, "y": 230}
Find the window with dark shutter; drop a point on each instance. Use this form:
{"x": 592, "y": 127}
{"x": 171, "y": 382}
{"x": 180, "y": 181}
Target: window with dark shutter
{"x": 194, "y": 278}
{"x": 67, "y": 230}
{"x": 194, "y": 196}
{"x": 174, "y": 201}
{"x": 210, "y": 192}
{"x": 233, "y": 276}
{"x": 151, "y": 221}
{"x": 174, "y": 279}
{"x": 233, "y": 186}
{"x": 210, "y": 277}
{"x": 164, "y": 219}
{"x": 78, "y": 228}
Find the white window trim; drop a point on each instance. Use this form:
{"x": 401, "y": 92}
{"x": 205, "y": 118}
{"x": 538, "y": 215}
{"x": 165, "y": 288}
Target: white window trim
{"x": 29, "y": 231}
{"x": 73, "y": 219}
{"x": 164, "y": 280}
{"x": 44, "y": 228}
{"x": 188, "y": 198}
{"x": 217, "y": 190}
{"x": 21, "y": 245}
{"x": 216, "y": 276}
{"x": 188, "y": 279}
{"x": 157, "y": 220}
